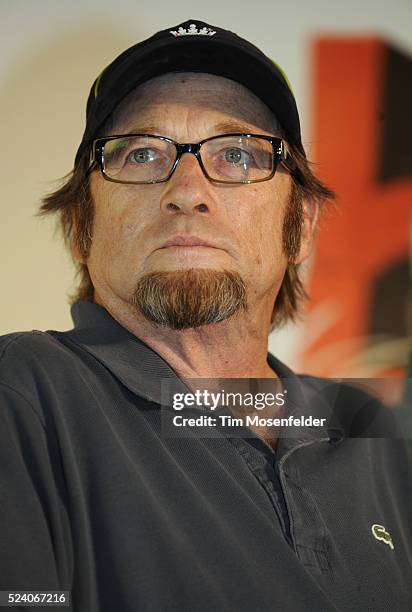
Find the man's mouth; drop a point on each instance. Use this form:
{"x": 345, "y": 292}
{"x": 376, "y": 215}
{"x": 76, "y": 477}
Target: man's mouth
{"x": 187, "y": 241}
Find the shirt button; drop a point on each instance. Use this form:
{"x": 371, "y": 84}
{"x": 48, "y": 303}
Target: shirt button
{"x": 335, "y": 436}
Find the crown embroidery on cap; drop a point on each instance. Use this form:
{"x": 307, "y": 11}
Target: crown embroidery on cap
{"x": 193, "y": 31}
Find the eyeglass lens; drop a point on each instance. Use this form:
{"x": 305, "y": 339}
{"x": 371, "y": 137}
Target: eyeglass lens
{"x": 150, "y": 159}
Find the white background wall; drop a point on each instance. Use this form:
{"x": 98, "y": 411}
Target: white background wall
{"x": 51, "y": 51}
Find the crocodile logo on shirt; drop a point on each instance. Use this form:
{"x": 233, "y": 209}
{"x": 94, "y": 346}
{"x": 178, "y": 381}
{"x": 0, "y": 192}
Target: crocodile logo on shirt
{"x": 380, "y": 533}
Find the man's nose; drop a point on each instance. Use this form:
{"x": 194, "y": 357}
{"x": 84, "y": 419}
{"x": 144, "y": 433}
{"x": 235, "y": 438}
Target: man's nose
{"x": 187, "y": 190}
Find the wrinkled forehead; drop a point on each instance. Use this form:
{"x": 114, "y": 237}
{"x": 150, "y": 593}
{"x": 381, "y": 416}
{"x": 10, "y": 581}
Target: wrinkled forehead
{"x": 168, "y": 94}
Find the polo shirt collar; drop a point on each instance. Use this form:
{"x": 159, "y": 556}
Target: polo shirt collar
{"x": 141, "y": 369}
{"x": 132, "y": 361}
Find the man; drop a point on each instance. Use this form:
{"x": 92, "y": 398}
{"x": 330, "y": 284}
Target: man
{"x": 189, "y": 211}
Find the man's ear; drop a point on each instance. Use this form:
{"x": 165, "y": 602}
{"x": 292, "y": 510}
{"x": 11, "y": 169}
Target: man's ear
{"x": 309, "y": 228}
{"x": 73, "y": 245}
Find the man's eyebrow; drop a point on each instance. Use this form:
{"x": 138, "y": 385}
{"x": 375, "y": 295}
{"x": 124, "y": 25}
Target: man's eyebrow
{"x": 145, "y": 129}
{"x": 232, "y": 126}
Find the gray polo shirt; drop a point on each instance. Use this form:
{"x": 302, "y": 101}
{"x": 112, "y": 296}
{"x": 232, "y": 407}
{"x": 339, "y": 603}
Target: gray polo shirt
{"x": 94, "y": 499}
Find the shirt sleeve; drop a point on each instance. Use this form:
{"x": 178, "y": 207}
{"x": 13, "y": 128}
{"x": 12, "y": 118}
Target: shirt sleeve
{"x": 35, "y": 542}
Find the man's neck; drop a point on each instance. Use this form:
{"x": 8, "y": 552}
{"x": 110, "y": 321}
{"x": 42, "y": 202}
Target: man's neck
{"x": 234, "y": 348}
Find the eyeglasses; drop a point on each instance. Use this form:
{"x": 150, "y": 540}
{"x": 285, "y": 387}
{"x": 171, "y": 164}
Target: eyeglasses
{"x": 142, "y": 159}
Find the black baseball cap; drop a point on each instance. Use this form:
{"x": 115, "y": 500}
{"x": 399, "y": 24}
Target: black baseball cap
{"x": 192, "y": 46}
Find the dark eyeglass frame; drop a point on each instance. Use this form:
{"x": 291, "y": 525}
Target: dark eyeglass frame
{"x": 281, "y": 155}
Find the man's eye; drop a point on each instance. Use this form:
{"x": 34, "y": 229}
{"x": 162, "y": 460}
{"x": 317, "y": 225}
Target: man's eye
{"x": 141, "y": 156}
{"x": 236, "y": 156}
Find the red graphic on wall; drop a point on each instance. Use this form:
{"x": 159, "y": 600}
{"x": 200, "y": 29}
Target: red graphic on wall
{"x": 359, "y": 317}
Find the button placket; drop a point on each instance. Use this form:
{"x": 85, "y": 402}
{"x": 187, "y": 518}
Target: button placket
{"x": 274, "y": 493}
{"x": 306, "y": 527}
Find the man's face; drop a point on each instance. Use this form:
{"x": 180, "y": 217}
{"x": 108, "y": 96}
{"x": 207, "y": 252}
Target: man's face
{"x": 242, "y": 223}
